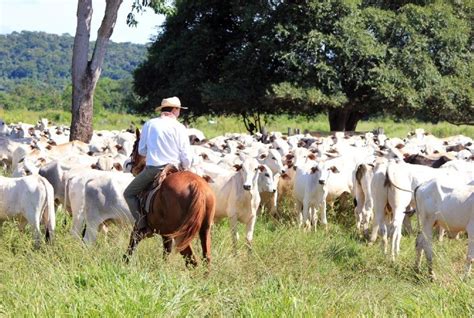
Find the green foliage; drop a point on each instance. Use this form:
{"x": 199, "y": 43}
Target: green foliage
{"x": 351, "y": 58}
{"x": 209, "y": 55}
{"x": 35, "y": 73}
{"x": 111, "y": 95}
{"x": 46, "y": 58}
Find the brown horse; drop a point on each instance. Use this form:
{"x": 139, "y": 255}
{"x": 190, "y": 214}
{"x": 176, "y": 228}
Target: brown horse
{"x": 183, "y": 206}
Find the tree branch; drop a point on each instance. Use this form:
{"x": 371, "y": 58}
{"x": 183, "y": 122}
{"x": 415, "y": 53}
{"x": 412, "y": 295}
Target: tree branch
{"x": 459, "y": 123}
{"x": 103, "y": 34}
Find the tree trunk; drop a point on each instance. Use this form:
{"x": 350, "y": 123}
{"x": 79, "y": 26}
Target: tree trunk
{"x": 85, "y": 73}
{"x": 343, "y": 119}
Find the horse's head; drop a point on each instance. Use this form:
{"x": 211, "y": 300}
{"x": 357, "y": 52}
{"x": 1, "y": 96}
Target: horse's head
{"x": 137, "y": 161}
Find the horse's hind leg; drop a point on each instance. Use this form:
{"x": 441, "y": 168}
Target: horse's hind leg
{"x": 189, "y": 256}
{"x": 205, "y": 237}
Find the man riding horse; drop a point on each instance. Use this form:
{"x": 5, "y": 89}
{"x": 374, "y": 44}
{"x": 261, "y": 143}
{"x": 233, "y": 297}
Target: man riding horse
{"x": 163, "y": 141}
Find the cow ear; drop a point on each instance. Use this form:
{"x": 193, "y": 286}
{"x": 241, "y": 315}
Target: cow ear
{"x": 311, "y": 156}
{"x": 334, "y": 169}
{"x": 400, "y": 146}
{"x": 237, "y": 167}
{"x": 380, "y": 153}
{"x": 208, "y": 179}
{"x": 49, "y": 147}
{"x": 261, "y": 168}
{"x": 118, "y": 166}
{"x": 263, "y": 156}
{"x": 204, "y": 156}
{"x": 314, "y": 169}
{"x": 94, "y": 166}
{"x": 90, "y": 153}
{"x": 289, "y": 156}
{"x": 372, "y": 165}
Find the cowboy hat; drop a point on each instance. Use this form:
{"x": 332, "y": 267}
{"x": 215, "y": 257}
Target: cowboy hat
{"x": 170, "y": 102}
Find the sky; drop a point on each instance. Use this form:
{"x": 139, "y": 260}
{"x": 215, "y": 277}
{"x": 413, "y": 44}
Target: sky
{"x": 59, "y": 17}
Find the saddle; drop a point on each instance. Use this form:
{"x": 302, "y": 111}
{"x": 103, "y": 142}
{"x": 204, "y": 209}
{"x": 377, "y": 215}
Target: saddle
{"x": 147, "y": 196}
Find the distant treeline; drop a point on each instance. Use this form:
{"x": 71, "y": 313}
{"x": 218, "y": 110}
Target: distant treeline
{"x": 35, "y": 71}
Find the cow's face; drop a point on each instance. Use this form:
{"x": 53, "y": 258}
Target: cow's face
{"x": 273, "y": 161}
{"x": 302, "y": 156}
{"x": 326, "y": 173}
{"x": 266, "y": 182}
{"x": 280, "y": 145}
{"x": 250, "y": 171}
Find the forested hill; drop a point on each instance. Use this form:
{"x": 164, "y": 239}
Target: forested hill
{"x": 42, "y": 57}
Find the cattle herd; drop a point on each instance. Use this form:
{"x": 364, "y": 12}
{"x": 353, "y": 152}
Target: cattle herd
{"x": 389, "y": 179}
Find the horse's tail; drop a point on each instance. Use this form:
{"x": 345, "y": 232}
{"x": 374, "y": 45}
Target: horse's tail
{"x": 192, "y": 223}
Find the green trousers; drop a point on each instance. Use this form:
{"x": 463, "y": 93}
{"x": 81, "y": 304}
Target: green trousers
{"x": 142, "y": 181}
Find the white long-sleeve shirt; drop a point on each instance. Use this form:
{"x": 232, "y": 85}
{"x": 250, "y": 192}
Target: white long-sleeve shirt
{"x": 164, "y": 140}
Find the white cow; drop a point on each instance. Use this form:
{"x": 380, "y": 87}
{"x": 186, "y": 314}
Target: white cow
{"x": 393, "y": 185}
{"x": 316, "y": 192}
{"x": 196, "y": 135}
{"x": 450, "y": 207}
{"x": 4, "y": 130}
{"x": 74, "y": 194}
{"x": 362, "y": 194}
{"x": 238, "y": 198}
{"x": 104, "y": 201}
{"x": 32, "y": 198}
{"x": 273, "y": 160}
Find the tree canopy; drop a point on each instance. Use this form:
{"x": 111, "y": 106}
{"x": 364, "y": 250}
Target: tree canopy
{"x": 350, "y": 58}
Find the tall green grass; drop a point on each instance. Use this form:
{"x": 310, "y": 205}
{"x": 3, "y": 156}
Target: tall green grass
{"x": 213, "y": 126}
{"x": 290, "y": 273}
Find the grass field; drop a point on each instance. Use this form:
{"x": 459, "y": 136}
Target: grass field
{"x": 222, "y": 124}
{"x": 289, "y": 274}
